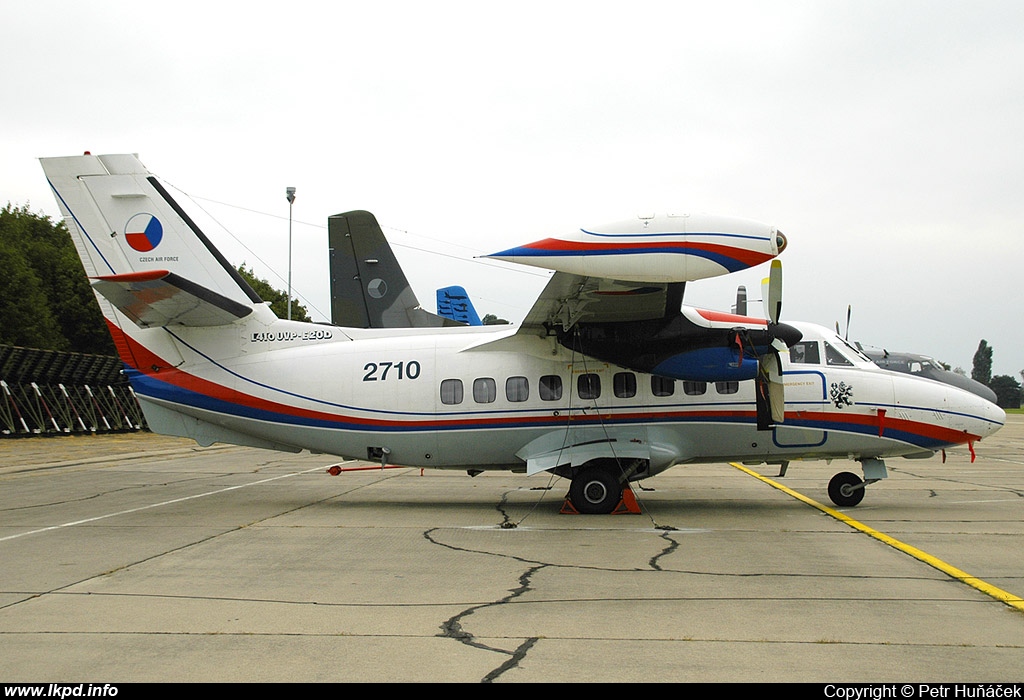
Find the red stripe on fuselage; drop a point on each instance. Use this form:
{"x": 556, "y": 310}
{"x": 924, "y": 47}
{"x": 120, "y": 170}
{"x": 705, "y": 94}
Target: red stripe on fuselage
{"x": 145, "y": 361}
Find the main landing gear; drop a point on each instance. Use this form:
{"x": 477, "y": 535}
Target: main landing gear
{"x": 847, "y": 489}
{"x": 597, "y": 489}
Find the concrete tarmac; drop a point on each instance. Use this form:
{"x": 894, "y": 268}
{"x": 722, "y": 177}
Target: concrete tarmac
{"x": 134, "y": 558}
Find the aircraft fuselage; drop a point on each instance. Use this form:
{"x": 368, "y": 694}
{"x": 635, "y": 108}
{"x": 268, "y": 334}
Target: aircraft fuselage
{"x": 420, "y": 397}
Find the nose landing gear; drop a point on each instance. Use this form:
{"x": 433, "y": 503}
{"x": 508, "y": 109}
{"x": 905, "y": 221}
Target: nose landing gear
{"x": 847, "y": 489}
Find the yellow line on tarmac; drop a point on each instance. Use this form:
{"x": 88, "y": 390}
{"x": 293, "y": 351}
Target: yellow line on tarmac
{"x": 986, "y": 588}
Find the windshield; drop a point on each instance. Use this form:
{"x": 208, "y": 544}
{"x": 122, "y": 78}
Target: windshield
{"x": 856, "y": 353}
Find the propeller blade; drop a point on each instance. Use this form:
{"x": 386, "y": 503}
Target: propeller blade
{"x": 771, "y": 366}
{"x": 849, "y": 311}
{"x": 764, "y": 297}
{"x": 777, "y": 397}
{"x": 775, "y": 291}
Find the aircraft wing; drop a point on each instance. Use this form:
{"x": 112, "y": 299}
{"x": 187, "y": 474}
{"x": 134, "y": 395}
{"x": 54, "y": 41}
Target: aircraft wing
{"x": 616, "y": 295}
{"x": 635, "y": 270}
{"x": 156, "y": 298}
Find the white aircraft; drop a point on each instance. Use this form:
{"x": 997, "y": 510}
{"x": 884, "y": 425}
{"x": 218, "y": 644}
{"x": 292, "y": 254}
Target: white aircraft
{"x": 608, "y": 380}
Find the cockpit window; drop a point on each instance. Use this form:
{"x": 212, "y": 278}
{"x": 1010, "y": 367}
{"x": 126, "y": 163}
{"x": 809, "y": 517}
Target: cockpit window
{"x": 805, "y": 353}
{"x": 855, "y": 351}
{"x": 836, "y": 358}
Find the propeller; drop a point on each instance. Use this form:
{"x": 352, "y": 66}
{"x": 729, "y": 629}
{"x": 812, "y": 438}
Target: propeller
{"x": 771, "y": 292}
{"x": 770, "y": 367}
{"x": 771, "y": 393}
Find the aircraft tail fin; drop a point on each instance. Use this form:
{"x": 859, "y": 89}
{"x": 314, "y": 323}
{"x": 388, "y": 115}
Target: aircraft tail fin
{"x": 143, "y": 251}
{"x": 149, "y": 263}
{"x": 368, "y": 287}
{"x": 454, "y": 303}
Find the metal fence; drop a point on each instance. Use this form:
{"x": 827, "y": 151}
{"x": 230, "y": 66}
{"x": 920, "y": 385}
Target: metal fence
{"x": 50, "y": 392}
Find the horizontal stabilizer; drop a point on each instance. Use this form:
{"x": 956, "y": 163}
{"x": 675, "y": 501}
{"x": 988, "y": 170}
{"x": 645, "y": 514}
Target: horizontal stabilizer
{"x": 157, "y": 298}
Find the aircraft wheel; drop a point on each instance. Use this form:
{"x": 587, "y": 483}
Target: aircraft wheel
{"x": 841, "y": 489}
{"x": 595, "y": 490}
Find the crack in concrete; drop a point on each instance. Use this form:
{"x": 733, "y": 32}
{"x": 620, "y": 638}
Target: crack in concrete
{"x": 452, "y": 628}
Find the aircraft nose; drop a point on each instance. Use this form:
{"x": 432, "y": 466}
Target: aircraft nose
{"x": 987, "y": 417}
{"x": 994, "y": 416}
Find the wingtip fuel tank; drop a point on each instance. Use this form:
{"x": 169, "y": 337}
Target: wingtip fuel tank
{"x": 656, "y": 249}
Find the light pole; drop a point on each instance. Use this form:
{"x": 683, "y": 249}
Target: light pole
{"x": 290, "y": 194}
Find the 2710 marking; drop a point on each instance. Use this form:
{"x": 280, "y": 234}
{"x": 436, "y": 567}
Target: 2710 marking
{"x": 382, "y": 371}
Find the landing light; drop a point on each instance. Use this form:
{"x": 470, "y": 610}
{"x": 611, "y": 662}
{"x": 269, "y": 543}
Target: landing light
{"x": 780, "y": 240}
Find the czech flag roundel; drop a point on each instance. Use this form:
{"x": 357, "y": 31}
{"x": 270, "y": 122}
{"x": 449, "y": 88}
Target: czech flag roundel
{"x": 143, "y": 232}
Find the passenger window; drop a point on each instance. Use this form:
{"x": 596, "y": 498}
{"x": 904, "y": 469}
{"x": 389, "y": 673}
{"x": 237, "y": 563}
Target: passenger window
{"x": 517, "y": 389}
{"x": 662, "y": 386}
{"x": 834, "y": 357}
{"x": 484, "y": 390}
{"x": 588, "y": 386}
{"x": 550, "y": 387}
{"x": 695, "y": 388}
{"x": 625, "y": 385}
{"x": 727, "y": 387}
{"x": 451, "y": 391}
{"x": 805, "y": 353}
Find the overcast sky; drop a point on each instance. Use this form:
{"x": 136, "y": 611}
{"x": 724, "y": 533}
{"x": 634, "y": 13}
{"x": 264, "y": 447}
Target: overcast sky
{"x": 885, "y": 138}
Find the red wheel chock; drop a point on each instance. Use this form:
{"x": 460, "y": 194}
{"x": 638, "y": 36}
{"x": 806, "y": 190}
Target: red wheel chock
{"x": 627, "y": 505}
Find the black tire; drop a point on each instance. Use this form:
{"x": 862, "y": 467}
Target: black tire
{"x": 595, "y": 490}
{"x": 841, "y": 489}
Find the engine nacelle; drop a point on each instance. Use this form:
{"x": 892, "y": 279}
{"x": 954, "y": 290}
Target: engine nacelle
{"x": 656, "y": 249}
{"x": 694, "y": 345}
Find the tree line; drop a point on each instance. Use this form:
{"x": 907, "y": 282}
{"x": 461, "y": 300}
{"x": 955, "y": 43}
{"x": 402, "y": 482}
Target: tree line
{"x": 45, "y": 299}
{"x": 1008, "y": 390}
